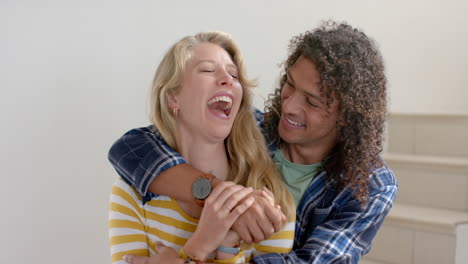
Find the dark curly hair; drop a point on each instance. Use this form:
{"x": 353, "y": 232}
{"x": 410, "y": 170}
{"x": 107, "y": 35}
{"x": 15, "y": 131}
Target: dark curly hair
{"x": 351, "y": 67}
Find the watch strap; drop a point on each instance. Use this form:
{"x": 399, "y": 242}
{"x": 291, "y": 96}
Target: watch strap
{"x": 229, "y": 250}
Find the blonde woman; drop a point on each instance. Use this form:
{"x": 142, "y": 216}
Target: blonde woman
{"x": 201, "y": 107}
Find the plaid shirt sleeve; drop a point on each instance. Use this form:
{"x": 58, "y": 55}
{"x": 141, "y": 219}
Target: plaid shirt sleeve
{"x": 346, "y": 234}
{"x": 259, "y": 116}
{"x": 140, "y": 155}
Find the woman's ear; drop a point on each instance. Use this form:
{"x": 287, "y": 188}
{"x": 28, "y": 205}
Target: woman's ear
{"x": 172, "y": 102}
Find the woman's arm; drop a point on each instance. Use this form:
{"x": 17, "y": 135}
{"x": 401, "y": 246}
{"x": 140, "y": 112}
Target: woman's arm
{"x": 226, "y": 203}
{"x": 167, "y": 255}
{"x": 126, "y": 223}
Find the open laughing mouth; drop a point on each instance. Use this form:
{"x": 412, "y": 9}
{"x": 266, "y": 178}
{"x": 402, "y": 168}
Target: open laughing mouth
{"x": 221, "y": 105}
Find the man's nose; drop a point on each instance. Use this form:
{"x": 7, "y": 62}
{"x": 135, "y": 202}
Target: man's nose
{"x": 291, "y": 104}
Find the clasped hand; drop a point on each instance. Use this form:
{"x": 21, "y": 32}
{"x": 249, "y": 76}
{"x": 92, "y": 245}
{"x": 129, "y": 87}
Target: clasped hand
{"x": 253, "y": 215}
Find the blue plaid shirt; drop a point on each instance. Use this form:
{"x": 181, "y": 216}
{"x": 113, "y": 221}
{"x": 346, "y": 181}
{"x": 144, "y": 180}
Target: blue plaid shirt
{"x": 331, "y": 226}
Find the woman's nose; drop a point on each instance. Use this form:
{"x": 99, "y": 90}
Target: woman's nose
{"x": 225, "y": 79}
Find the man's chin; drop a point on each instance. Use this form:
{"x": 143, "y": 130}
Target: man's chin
{"x": 287, "y": 136}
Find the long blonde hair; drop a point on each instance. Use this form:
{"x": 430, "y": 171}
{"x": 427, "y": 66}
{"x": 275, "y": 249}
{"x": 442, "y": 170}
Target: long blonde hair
{"x": 250, "y": 164}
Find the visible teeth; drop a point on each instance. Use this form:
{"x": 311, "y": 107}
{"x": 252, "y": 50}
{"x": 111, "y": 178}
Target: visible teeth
{"x": 294, "y": 123}
{"x": 226, "y": 99}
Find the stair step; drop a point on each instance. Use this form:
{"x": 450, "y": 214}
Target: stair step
{"x": 426, "y": 218}
{"x": 431, "y": 181}
{"x": 427, "y": 160}
{"x": 428, "y": 134}
{"x": 368, "y": 261}
{"x": 414, "y": 234}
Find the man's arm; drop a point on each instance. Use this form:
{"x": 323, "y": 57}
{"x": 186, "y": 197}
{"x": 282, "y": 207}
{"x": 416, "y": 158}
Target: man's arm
{"x": 141, "y": 154}
{"x": 345, "y": 235}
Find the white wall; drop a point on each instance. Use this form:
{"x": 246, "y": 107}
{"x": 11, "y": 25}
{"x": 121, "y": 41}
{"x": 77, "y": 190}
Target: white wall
{"x": 74, "y": 76}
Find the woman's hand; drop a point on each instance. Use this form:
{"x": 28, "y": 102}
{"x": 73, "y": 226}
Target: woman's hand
{"x": 224, "y": 205}
{"x": 166, "y": 255}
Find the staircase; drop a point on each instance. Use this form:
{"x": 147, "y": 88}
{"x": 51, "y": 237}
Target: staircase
{"x": 429, "y": 220}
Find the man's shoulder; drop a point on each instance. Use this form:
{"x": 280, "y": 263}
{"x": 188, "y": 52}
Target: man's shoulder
{"x": 259, "y": 115}
{"x": 150, "y": 129}
{"x": 382, "y": 176}
{"x": 381, "y": 180}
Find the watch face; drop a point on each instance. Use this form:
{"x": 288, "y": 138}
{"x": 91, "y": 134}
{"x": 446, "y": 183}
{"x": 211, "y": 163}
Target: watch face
{"x": 201, "y": 188}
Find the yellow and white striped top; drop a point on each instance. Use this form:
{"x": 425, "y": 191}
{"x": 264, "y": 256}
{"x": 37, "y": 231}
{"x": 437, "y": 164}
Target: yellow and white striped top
{"x": 134, "y": 228}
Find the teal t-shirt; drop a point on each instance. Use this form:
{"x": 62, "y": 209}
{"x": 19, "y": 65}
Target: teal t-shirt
{"x": 296, "y": 176}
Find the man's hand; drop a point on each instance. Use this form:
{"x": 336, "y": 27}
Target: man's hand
{"x": 261, "y": 220}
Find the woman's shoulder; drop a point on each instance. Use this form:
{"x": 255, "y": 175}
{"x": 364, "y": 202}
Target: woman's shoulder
{"x": 125, "y": 191}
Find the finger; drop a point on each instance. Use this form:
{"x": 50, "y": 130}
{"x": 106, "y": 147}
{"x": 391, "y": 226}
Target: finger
{"x": 219, "y": 200}
{"x": 242, "y": 230}
{"x": 263, "y": 222}
{"x": 266, "y": 195}
{"x": 283, "y": 217}
{"x": 256, "y": 232}
{"x": 266, "y": 226}
{"x": 240, "y": 209}
{"x": 236, "y": 197}
{"x": 270, "y": 193}
{"x": 219, "y": 189}
{"x": 134, "y": 259}
{"x": 275, "y": 217}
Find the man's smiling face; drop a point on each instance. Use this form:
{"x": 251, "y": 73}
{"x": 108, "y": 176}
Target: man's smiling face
{"x": 305, "y": 118}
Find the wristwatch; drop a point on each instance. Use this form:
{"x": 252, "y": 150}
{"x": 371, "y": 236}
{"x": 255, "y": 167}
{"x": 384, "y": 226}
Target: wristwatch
{"x": 201, "y": 188}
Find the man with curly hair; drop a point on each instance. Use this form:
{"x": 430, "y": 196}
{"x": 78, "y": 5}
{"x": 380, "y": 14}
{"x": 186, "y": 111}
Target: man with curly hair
{"x": 324, "y": 128}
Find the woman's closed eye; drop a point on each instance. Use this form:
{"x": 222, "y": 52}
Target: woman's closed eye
{"x": 234, "y": 75}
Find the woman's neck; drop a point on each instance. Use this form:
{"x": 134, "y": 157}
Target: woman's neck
{"x": 206, "y": 156}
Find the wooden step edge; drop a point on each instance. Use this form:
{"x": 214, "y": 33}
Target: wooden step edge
{"x": 460, "y": 162}
{"x": 427, "y": 115}
{"x": 368, "y": 260}
{"x": 426, "y": 218}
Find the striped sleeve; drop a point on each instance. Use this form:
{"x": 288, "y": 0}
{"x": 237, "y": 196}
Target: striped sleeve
{"x": 127, "y": 232}
{"x": 280, "y": 242}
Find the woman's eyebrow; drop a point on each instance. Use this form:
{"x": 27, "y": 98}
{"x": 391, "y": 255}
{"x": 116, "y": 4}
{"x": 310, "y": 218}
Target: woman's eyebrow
{"x": 230, "y": 65}
{"x": 202, "y": 61}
